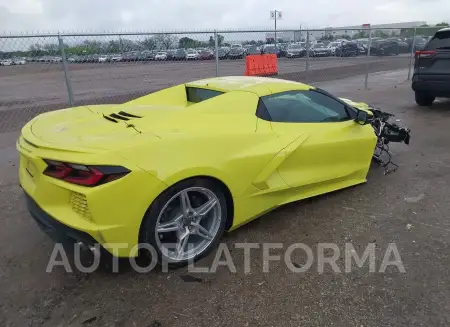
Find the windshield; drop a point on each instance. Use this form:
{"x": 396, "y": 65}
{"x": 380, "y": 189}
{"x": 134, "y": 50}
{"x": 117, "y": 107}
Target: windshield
{"x": 236, "y": 46}
{"x": 334, "y": 44}
{"x": 295, "y": 46}
{"x": 319, "y": 46}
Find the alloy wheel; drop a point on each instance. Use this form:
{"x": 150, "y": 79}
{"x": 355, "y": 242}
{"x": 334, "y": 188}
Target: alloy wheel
{"x": 188, "y": 223}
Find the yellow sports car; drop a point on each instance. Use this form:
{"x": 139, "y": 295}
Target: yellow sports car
{"x": 178, "y": 167}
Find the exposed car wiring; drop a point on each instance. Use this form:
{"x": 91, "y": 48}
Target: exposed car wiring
{"x": 387, "y": 132}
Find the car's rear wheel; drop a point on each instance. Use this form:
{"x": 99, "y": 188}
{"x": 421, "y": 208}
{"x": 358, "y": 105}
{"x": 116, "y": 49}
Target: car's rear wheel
{"x": 424, "y": 99}
{"x": 186, "y": 221}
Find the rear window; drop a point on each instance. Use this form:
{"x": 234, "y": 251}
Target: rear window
{"x": 440, "y": 41}
{"x": 197, "y": 95}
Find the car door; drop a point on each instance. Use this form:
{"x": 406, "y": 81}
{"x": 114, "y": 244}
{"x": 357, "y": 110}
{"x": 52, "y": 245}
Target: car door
{"x": 328, "y": 147}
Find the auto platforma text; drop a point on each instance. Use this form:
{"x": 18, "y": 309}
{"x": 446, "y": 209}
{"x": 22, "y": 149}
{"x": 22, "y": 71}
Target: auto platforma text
{"x": 326, "y": 257}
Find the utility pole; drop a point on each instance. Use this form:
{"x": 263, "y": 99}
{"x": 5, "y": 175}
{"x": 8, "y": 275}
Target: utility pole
{"x": 275, "y": 15}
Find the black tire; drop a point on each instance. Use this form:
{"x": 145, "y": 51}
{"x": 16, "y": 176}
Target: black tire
{"x": 424, "y": 99}
{"x": 147, "y": 233}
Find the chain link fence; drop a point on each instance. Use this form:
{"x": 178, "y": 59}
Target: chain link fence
{"x": 45, "y": 72}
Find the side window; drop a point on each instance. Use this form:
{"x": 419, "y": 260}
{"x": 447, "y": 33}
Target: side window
{"x": 301, "y": 107}
{"x": 196, "y": 95}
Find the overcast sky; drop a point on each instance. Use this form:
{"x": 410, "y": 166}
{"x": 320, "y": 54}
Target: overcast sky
{"x": 164, "y": 15}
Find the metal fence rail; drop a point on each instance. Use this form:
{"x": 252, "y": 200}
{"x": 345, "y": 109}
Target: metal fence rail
{"x": 41, "y": 72}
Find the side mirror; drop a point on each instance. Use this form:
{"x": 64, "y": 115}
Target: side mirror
{"x": 362, "y": 117}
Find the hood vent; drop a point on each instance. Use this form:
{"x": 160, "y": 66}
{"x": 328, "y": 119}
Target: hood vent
{"x": 121, "y": 115}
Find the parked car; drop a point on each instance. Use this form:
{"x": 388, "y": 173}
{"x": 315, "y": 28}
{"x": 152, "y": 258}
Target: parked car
{"x": 170, "y": 54}
{"x": 384, "y": 48}
{"x": 180, "y": 54}
{"x": 431, "y": 77}
{"x": 320, "y": 50}
{"x": 347, "y": 49}
{"x": 271, "y": 49}
{"x": 130, "y": 56}
{"x": 283, "y": 49}
{"x": 236, "y": 52}
{"x": 419, "y": 42}
{"x": 161, "y": 55}
{"x": 253, "y": 50}
{"x": 191, "y": 54}
{"x": 295, "y": 50}
{"x": 403, "y": 47}
{"x": 116, "y": 58}
{"x": 223, "y": 52}
{"x": 18, "y": 61}
{"x": 361, "y": 48}
{"x": 332, "y": 46}
{"x": 206, "y": 54}
{"x": 103, "y": 58}
{"x": 6, "y": 62}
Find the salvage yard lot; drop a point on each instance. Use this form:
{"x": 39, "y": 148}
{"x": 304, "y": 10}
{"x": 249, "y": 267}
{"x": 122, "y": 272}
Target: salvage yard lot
{"x": 408, "y": 208}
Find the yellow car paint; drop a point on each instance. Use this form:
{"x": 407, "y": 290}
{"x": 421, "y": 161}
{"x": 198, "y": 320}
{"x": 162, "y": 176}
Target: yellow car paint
{"x": 263, "y": 164}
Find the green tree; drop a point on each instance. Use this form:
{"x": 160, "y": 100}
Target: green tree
{"x": 361, "y": 35}
{"x": 327, "y": 37}
{"x": 187, "y": 42}
{"x": 220, "y": 39}
{"x": 148, "y": 43}
{"x": 128, "y": 45}
{"x": 443, "y": 24}
{"x": 35, "y": 50}
{"x": 380, "y": 33}
{"x": 212, "y": 42}
{"x": 343, "y": 36}
{"x": 165, "y": 41}
{"x": 91, "y": 47}
{"x": 113, "y": 46}
{"x": 51, "y": 48}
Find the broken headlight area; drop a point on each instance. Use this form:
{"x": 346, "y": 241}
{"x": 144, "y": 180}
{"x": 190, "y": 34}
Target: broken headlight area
{"x": 387, "y": 131}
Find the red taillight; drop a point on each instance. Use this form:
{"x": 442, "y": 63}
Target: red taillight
{"x": 83, "y": 175}
{"x": 425, "y": 53}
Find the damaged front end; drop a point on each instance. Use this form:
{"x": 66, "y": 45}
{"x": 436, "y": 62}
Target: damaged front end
{"x": 387, "y": 131}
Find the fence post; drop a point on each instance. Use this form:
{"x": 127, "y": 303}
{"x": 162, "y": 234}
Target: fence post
{"x": 66, "y": 70}
{"x": 366, "y": 80}
{"x": 307, "y": 56}
{"x": 216, "y": 51}
{"x": 413, "y": 48}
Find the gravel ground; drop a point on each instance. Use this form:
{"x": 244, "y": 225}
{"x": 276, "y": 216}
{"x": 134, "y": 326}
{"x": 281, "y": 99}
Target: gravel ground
{"x": 407, "y": 208}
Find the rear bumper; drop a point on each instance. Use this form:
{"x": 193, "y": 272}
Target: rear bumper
{"x": 437, "y": 85}
{"x": 56, "y": 230}
{"x": 109, "y": 214}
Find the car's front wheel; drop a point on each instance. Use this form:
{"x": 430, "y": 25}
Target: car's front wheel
{"x": 424, "y": 99}
{"x": 185, "y": 222}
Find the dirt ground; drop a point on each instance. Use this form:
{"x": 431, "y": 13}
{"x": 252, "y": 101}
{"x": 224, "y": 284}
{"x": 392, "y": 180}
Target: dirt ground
{"x": 409, "y": 207}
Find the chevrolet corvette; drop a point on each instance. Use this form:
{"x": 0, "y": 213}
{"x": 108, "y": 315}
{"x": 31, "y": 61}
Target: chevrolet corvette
{"x": 177, "y": 168}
